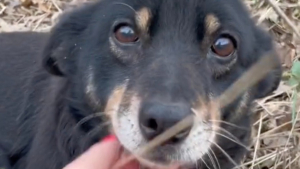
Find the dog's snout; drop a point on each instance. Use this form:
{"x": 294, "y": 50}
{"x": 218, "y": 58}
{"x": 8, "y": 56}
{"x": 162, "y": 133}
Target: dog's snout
{"x": 156, "y": 117}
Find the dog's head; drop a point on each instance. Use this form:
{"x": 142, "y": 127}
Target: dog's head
{"x": 150, "y": 63}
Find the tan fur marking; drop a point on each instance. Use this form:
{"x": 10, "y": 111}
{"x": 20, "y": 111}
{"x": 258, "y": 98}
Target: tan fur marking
{"x": 212, "y": 24}
{"x": 214, "y": 110}
{"x": 209, "y": 112}
{"x": 91, "y": 91}
{"x": 113, "y": 104}
{"x": 242, "y": 106}
{"x": 200, "y": 109}
{"x": 115, "y": 100}
{"x": 143, "y": 17}
{"x": 113, "y": 47}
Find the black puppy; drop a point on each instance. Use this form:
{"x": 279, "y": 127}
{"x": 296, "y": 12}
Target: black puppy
{"x": 133, "y": 68}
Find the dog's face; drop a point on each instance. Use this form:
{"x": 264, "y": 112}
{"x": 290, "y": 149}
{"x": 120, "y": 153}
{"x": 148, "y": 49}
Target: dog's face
{"x": 149, "y": 63}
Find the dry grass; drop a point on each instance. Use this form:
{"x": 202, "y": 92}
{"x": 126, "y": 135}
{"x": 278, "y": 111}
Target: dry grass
{"x": 276, "y": 143}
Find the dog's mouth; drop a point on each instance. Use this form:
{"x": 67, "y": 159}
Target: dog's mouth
{"x": 186, "y": 147}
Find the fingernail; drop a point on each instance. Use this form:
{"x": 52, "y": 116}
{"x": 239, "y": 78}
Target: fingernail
{"x": 109, "y": 138}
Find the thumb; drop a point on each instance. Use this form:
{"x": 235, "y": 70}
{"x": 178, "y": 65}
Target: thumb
{"x": 100, "y": 156}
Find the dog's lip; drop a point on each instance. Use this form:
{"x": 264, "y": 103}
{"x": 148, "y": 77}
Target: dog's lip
{"x": 145, "y": 162}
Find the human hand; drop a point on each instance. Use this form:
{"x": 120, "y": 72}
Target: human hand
{"x": 105, "y": 155}
{"x": 102, "y": 155}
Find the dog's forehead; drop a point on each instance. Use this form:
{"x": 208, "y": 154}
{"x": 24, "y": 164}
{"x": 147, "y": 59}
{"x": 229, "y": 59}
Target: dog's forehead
{"x": 171, "y": 11}
{"x": 178, "y": 15}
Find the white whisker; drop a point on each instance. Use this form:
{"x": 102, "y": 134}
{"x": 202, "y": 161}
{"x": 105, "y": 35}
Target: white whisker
{"x": 225, "y": 153}
{"x": 227, "y": 132}
{"x": 212, "y": 160}
{"x": 219, "y": 167}
{"x": 203, "y": 163}
{"x": 97, "y": 128}
{"x": 230, "y": 124}
{"x": 121, "y": 3}
{"x": 241, "y": 144}
{"x": 89, "y": 117}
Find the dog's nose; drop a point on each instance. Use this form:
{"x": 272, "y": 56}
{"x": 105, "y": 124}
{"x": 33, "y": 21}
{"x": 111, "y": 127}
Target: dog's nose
{"x": 155, "y": 118}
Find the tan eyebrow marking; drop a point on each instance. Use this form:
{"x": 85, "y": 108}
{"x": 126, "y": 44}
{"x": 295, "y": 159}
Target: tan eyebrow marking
{"x": 143, "y": 17}
{"x": 212, "y": 24}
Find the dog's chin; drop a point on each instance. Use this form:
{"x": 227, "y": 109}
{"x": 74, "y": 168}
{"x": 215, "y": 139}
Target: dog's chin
{"x": 188, "y": 151}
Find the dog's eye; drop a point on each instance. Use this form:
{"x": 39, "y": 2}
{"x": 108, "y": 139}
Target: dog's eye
{"x": 126, "y": 34}
{"x": 223, "y": 46}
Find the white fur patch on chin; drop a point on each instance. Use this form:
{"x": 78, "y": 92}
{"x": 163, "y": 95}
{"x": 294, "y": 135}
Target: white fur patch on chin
{"x": 193, "y": 148}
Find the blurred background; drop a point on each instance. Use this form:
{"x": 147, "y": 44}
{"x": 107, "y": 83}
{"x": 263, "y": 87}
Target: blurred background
{"x": 276, "y": 131}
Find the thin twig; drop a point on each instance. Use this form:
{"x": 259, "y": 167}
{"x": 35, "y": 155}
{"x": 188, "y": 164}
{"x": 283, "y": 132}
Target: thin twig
{"x": 257, "y": 142}
{"x": 295, "y": 159}
{"x": 281, "y": 14}
{"x": 291, "y": 133}
{"x": 248, "y": 79}
{"x": 56, "y": 6}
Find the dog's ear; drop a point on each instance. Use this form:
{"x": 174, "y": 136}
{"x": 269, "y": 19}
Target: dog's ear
{"x": 58, "y": 54}
{"x": 263, "y": 46}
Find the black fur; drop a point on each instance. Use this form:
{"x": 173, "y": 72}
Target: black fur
{"x": 43, "y": 76}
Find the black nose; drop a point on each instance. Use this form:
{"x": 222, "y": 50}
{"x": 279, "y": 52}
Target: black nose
{"x": 155, "y": 118}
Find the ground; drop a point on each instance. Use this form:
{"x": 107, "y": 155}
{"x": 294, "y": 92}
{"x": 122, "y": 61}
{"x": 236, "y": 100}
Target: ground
{"x": 276, "y": 143}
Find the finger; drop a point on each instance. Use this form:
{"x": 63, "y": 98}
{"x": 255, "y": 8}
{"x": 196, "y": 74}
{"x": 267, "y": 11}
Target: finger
{"x": 123, "y": 162}
{"x": 100, "y": 156}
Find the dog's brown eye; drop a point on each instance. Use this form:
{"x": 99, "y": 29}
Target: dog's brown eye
{"x": 223, "y": 46}
{"x": 126, "y": 34}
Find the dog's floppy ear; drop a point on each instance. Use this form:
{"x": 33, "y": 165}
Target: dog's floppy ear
{"x": 58, "y": 54}
{"x": 263, "y": 46}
